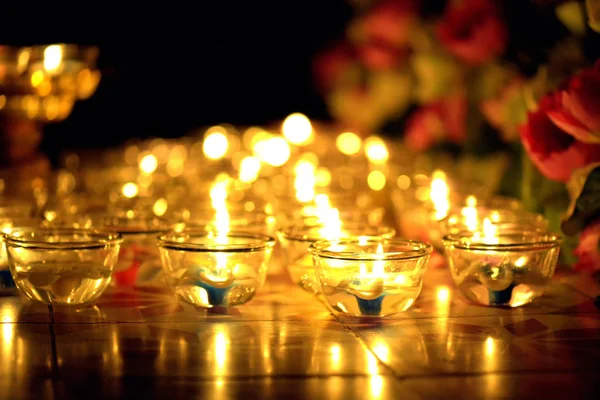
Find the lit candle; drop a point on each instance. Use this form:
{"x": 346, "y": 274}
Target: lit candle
{"x": 368, "y": 288}
{"x": 370, "y": 277}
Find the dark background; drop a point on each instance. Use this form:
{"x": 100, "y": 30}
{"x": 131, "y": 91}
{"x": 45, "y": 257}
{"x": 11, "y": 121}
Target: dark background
{"x": 171, "y": 68}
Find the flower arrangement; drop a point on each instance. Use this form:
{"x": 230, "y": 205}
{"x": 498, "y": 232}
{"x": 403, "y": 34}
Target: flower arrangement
{"x": 480, "y": 77}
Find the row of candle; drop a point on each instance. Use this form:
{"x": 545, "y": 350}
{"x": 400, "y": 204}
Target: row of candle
{"x": 302, "y": 188}
{"x": 213, "y": 266}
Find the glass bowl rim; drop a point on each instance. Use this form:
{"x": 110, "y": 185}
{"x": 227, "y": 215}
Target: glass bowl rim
{"x": 487, "y": 210}
{"x": 422, "y": 250}
{"x": 301, "y": 235}
{"x": 100, "y": 238}
{"x": 461, "y": 241}
{"x": 162, "y": 226}
{"x": 262, "y": 242}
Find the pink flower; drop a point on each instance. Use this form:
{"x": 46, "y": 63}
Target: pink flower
{"x": 588, "y": 249}
{"x": 578, "y": 111}
{"x": 473, "y": 31}
{"x": 554, "y": 152}
{"x": 437, "y": 122}
{"x": 330, "y": 65}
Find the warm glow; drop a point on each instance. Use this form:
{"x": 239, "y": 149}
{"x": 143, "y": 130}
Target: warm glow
{"x": 37, "y": 78}
{"x": 469, "y": 214}
{"x": 376, "y": 180}
{"x": 274, "y": 151}
{"x": 490, "y": 347}
{"x": 52, "y": 58}
{"x": 379, "y": 266}
{"x": 249, "y": 169}
{"x": 148, "y": 164}
{"x": 130, "y": 190}
{"x": 521, "y": 262}
{"x": 376, "y": 150}
{"x": 304, "y": 167}
{"x": 471, "y": 201}
{"x": 442, "y": 294}
{"x": 348, "y": 143}
{"x": 323, "y": 177}
{"x": 305, "y": 181}
{"x": 160, "y": 207}
{"x": 490, "y": 232}
{"x": 440, "y": 194}
{"x": 297, "y": 129}
{"x": 221, "y": 350}
{"x": 403, "y": 182}
{"x": 216, "y": 143}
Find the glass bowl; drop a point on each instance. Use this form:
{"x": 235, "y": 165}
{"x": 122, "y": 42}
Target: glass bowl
{"x": 370, "y": 278}
{"x": 473, "y": 218}
{"x": 139, "y": 260}
{"x": 7, "y": 225}
{"x": 296, "y": 240}
{"x": 510, "y": 269}
{"x": 62, "y": 266}
{"x": 209, "y": 269}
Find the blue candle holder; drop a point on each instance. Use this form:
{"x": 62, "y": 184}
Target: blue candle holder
{"x": 217, "y": 296}
{"x": 7, "y": 283}
{"x": 501, "y": 297}
{"x": 370, "y": 307}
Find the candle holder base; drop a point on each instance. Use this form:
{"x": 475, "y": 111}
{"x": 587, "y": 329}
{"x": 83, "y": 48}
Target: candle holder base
{"x": 370, "y": 307}
{"x": 216, "y": 296}
{"x": 501, "y": 297}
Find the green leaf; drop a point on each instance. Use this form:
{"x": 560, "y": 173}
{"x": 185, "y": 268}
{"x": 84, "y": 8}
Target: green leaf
{"x": 584, "y": 190}
{"x": 569, "y": 243}
{"x": 437, "y": 74}
{"x": 593, "y": 13}
{"x": 571, "y": 15}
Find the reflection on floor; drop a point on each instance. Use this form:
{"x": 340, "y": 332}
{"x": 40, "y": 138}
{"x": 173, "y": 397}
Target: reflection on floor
{"x": 286, "y": 344}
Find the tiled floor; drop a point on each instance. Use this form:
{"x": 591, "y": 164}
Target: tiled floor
{"x": 285, "y": 344}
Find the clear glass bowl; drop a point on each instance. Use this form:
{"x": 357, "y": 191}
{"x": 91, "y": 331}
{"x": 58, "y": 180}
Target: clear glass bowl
{"x": 210, "y": 269}
{"x": 7, "y": 225}
{"x": 296, "y": 240}
{"x": 139, "y": 260}
{"x": 472, "y": 218}
{"x": 247, "y": 222}
{"x": 510, "y": 269}
{"x": 62, "y": 266}
{"x": 370, "y": 278}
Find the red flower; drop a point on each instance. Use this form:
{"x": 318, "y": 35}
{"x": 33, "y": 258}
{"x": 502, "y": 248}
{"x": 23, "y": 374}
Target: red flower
{"x": 473, "y": 31}
{"x": 555, "y": 153}
{"x": 437, "y": 122}
{"x": 580, "y": 111}
{"x": 329, "y": 66}
{"x": 379, "y": 57}
{"x": 389, "y": 22}
{"x": 588, "y": 249}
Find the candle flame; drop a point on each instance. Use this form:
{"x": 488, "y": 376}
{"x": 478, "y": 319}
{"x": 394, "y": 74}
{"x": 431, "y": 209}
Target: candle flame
{"x": 440, "y": 194}
{"x": 218, "y": 196}
{"x": 490, "y": 232}
{"x": 470, "y": 214}
{"x": 53, "y": 56}
{"x": 378, "y": 266}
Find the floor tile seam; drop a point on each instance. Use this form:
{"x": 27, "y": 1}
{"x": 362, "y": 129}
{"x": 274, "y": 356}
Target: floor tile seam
{"x": 583, "y": 293}
{"x": 177, "y": 322}
{"x": 474, "y": 317}
{"x": 499, "y": 372}
{"x": 363, "y": 343}
{"x": 243, "y": 378}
